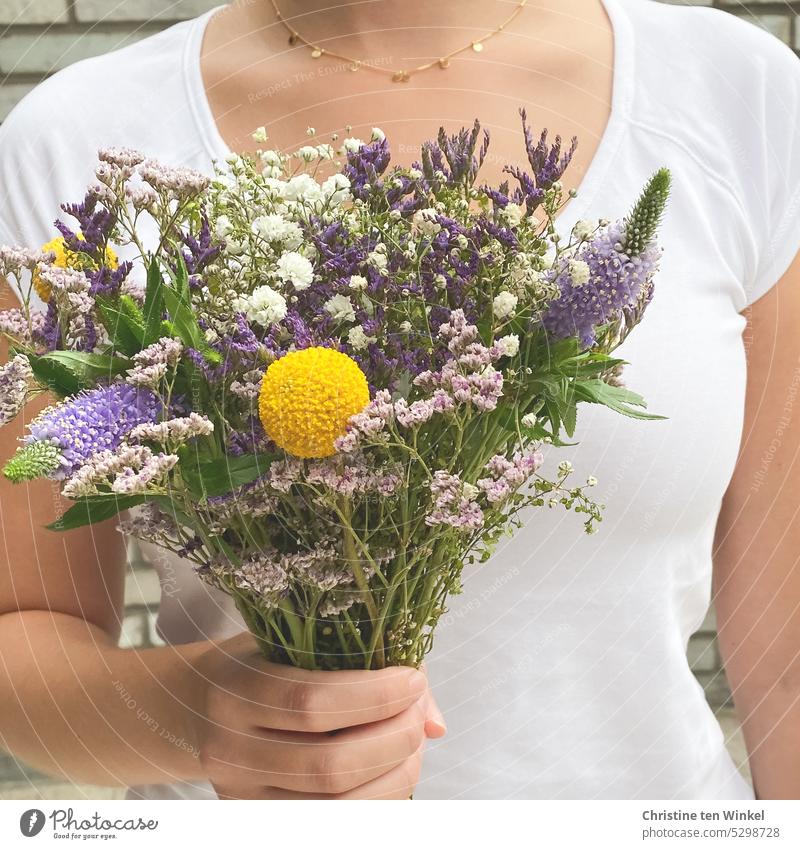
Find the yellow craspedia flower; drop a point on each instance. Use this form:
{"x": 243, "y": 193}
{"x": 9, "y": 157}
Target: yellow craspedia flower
{"x": 307, "y": 397}
{"x": 65, "y": 258}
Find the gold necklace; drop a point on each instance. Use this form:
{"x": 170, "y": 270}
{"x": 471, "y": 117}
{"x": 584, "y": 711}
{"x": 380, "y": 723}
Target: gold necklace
{"x": 397, "y": 76}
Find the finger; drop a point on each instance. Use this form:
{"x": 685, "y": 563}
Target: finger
{"x": 398, "y": 783}
{"x": 319, "y": 763}
{"x": 283, "y": 697}
{"x": 435, "y": 725}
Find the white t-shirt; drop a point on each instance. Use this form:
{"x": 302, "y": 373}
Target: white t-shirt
{"x": 561, "y": 669}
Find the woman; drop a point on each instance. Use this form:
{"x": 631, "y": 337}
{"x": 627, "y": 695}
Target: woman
{"x": 562, "y": 668}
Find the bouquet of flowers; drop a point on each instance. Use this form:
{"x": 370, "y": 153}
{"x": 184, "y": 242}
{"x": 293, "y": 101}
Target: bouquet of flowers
{"x": 327, "y": 382}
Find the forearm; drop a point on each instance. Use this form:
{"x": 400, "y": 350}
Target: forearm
{"x": 765, "y": 680}
{"x": 74, "y": 704}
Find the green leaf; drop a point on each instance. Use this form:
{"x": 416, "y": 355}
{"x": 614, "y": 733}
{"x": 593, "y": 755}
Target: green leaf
{"x": 93, "y": 509}
{"x": 616, "y": 398}
{"x": 222, "y": 474}
{"x": 153, "y": 304}
{"x": 181, "y": 280}
{"x": 128, "y": 335}
{"x": 55, "y": 376}
{"x": 87, "y": 368}
{"x": 183, "y": 317}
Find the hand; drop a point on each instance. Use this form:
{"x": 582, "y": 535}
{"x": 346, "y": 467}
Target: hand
{"x": 276, "y": 732}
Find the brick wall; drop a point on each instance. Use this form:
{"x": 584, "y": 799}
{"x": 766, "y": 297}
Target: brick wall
{"x": 38, "y": 37}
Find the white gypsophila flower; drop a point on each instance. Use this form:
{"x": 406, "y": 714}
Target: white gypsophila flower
{"x": 469, "y": 490}
{"x": 508, "y": 345}
{"x": 528, "y": 420}
{"x": 307, "y": 153}
{"x": 222, "y": 227}
{"x": 358, "y": 283}
{"x": 579, "y": 272}
{"x": 271, "y": 157}
{"x": 325, "y": 151}
{"x": 512, "y": 214}
{"x": 264, "y": 306}
{"x": 260, "y": 135}
{"x": 504, "y": 304}
{"x": 406, "y": 326}
{"x": 377, "y": 259}
{"x": 294, "y": 268}
{"x": 277, "y": 188}
{"x": 276, "y": 228}
{"x": 415, "y": 174}
{"x": 358, "y": 339}
{"x": 424, "y": 220}
{"x": 302, "y": 187}
{"x": 336, "y": 189}
{"x": 378, "y": 134}
{"x": 340, "y": 308}
{"x": 565, "y": 467}
{"x": 583, "y": 229}
{"x": 352, "y": 145}
{"x": 233, "y": 247}
{"x": 591, "y": 481}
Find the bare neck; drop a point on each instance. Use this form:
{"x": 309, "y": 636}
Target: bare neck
{"x": 378, "y": 28}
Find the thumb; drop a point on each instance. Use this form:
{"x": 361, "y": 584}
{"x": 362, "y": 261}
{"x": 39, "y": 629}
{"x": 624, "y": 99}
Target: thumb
{"x": 435, "y": 725}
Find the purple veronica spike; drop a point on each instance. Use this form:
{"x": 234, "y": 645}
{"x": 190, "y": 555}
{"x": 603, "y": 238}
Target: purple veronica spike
{"x": 615, "y": 283}
{"x": 93, "y": 421}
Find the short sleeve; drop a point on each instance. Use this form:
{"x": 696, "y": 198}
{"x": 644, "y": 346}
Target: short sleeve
{"x": 771, "y": 183}
{"x": 43, "y": 162}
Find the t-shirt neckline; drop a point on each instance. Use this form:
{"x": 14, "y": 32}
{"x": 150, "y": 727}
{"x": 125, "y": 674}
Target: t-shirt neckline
{"x": 590, "y": 185}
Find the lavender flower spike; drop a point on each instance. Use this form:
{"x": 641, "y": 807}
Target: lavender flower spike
{"x": 91, "y": 422}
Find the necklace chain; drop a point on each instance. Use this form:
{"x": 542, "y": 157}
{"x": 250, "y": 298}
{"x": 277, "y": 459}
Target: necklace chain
{"x": 401, "y": 76}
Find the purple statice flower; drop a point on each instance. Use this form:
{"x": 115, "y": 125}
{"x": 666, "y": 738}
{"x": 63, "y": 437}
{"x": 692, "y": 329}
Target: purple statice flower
{"x": 93, "y": 421}
{"x": 253, "y": 440}
{"x": 127, "y": 470}
{"x": 457, "y": 157}
{"x": 598, "y": 286}
{"x": 149, "y": 523}
{"x": 154, "y": 361}
{"x": 51, "y": 332}
{"x": 453, "y": 503}
{"x": 365, "y": 166}
{"x": 199, "y": 251}
{"x": 414, "y": 414}
{"x": 14, "y": 378}
{"x": 352, "y": 476}
{"x": 181, "y": 184}
{"x": 23, "y": 328}
{"x": 108, "y": 281}
{"x": 548, "y": 164}
{"x": 369, "y": 423}
{"x": 263, "y": 575}
{"x": 506, "y": 476}
{"x": 14, "y": 259}
{"x": 95, "y": 225}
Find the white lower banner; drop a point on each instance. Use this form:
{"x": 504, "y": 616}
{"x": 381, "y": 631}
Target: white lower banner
{"x": 412, "y": 825}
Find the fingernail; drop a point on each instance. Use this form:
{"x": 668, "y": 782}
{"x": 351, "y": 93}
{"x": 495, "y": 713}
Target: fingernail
{"x": 434, "y": 729}
{"x": 417, "y": 683}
